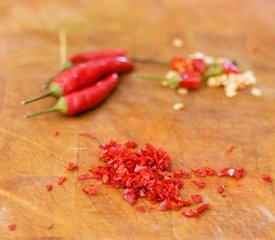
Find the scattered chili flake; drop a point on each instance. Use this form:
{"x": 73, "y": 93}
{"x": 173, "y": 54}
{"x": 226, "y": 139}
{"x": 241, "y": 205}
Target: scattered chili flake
{"x": 49, "y": 187}
{"x": 203, "y": 172}
{"x": 140, "y": 208}
{"x": 220, "y": 188}
{"x": 131, "y": 144}
{"x": 190, "y": 213}
{"x": 61, "y": 180}
{"x": 232, "y": 172}
{"x": 89, "y": 190}
{"x": 231, "y": 148}
{"x": 199, "y": 184}
{"x": 71, "y": 166}
{"x": 202, "y": 207}
{"x": 267, "y": 178}
{"x": 86, "y": 176}
{"x": 87, "y": 135}
{"x": 195, "y": 212}
{"x": 56, "y": 133}
{"x": 196, "y": 198}
{"x": 12, "y": 227}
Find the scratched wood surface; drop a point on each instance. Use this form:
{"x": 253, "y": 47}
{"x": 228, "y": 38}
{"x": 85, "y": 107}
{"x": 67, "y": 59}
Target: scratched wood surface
{"x": 32, "y": 157}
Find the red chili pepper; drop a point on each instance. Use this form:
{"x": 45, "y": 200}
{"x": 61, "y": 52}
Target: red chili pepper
{"x": 61, "y": 180}
{"x": 196, "y": 198}
{"x": 84, "y": 75}
{"x": 49, "y": 187}
{"x": 12, "y": 227}
{"x": 267, "y": 178}
{"x": 88, "y": 56}
{"x": 83, "y": 100}
{"x": 199, "y": 65}
{"x": 190, "y": 80}
{"x": 71, "y": 166}
{"x": 220, "y": 188}
{"x": 229, "y": 67}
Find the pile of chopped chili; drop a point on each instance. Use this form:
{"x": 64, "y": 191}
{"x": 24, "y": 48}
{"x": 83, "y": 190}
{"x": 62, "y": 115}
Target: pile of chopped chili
{"x": 141, "y": 173}
{"x": 146, "y": 173}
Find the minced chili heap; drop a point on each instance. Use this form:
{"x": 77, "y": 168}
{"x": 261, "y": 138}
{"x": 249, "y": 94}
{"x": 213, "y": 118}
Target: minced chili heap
{"x": 142, "y": 173}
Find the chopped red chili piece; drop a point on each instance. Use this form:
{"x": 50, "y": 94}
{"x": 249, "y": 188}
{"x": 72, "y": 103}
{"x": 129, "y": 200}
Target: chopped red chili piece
{"x": 231, "y": 148}
{"x": 89, "y": 190}
{"x": 196, "y": 198}
{"x": 199, "y": 65}
{"x": 229, "y": 67}
{"x": 232, "y": 172}
{"x": 179, "y": 64}
{"x": 56, "y": 133}
{"x": 87, "y": 135}
{"x": 61, "y": 180}
{"x": 12, "y": 227}
{"x": 71, "y": 166}
{"x": 203, "y": 172}
{"x": 202, "y": 207}
{"x": 220, "y": 188}
{"x": 86, "y": 176}
{"x": 199, "y": 184}
{"x": 195, "y": 212}
{"x": 140, "y": 208}
{"x": 49, "y": 187}
{"x": 267, "y": 178}
{"x": 131, "y": 144}
{"x": 190, "y": 213}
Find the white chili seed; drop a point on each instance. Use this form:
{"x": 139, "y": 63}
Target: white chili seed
{"x": 182, "y": 91}
{"x": 178, "y": 106}
{"x": 256, "y": 92}
{"x": 177, "y": 42}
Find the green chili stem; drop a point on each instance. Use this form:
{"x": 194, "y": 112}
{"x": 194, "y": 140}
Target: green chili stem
{"x": 51, "y": 109}
{"x": 47, "y": 94}
{"x": 151, "y": 77}
{"x": 150, "y": 61}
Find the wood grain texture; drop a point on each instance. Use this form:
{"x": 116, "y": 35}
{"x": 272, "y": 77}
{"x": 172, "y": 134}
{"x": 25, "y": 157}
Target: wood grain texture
{"x": 32, "y": 157}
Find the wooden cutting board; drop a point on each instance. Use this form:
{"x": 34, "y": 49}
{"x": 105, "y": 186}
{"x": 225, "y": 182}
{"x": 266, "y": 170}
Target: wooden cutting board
{"x": 139, "y": 110}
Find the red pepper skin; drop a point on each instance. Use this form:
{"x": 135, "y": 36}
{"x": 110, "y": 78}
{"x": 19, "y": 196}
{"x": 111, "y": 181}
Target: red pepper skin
{"x": 85, "y": 74}
{"x": 190, "y": 80}
{"x": 229, "y": 67}
{"x": 181, "y": 65}
{"x": 94, "y": 56}
{"x": 90, "y": 97}
{"x": 199, "y": 65}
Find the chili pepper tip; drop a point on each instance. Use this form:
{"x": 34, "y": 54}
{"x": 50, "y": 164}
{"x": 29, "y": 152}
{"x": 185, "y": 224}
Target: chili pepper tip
{"x": 32, "y": 99}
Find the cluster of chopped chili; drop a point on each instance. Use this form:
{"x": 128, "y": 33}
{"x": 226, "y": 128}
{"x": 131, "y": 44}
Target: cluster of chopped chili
{"x": 146, "y": 173}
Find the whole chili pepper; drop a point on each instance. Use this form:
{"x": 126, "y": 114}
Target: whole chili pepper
{"x": 83, "y": 75}
{"x": 87, "y": 56}
{"x": 84, "y": 99}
